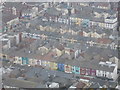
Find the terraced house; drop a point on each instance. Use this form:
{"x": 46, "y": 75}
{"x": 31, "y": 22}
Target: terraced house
{"x": 77, "y": 39}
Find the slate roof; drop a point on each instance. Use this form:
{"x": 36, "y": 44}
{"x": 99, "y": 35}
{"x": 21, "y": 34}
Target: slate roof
{"x": 15, "y": 72}
{"x": 27, "y": 11}
{"x": 103, "y": 82}
{"x": 62, "y": 81}
{"x": 86, "y": 64}
{"x": 19, "y": 83}
{"x": 31, "y": 74}
{"x": 87, "y": 13}
{"x": 104, "y": 41}
{"x": 7, "y": 16}
{"x": 52, "y": 11}
{"x": 62, "y": 6}
{"x": 94, "y": 85}
{"x": 103, "y": 4}
{"x": 34, "y": 3}
{"x": 80, "y": 85}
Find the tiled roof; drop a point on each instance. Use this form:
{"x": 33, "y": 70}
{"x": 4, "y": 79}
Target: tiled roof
{"x": 19, "y": 83}
{"x": 80, "y": 85}
{"x": 104, "y": 41}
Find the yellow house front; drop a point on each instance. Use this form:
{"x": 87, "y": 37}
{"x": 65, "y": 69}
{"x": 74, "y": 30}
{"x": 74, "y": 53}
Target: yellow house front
{"x": 91, "y": 43}
{"x": 13, "y": 21}
{"x": 1, "y": 55}
{"x": 35, "y": 61}
{"x": 78, "y": 21}
{"x": 73, "y": 32}
{"x": 41, "y": 28}
{"x": 114, "y": 60}
{"x": 4, "y": 56}
{"x": 18, "y": 60}
{"x": 100, "y": 24}
{"x": 43, "y": 49}
{"x": 38, "y": 62}
{"x": 32, "y": 62}
{"x": 44, "y": 36}
{"x": 53, "y": 66}
{"x": 85, "y": 34}
{"x": 95, "y": 35}
{"x": 67, "y": 51}
{"x": 43, "y": 63}
{"x": 63, "y": 31}
{"x": 84, "y": 4}
{"x": 73, "y": 40}
{"x": 103, "y": 25}
{"x": 46, "y": 64}
{"x": 103, "y": 34}
{"x": 57, "y": 51}
{"x": 11, "y": 58}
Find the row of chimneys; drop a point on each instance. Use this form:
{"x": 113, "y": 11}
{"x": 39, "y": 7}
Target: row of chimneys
{"x": 18, "y": 39}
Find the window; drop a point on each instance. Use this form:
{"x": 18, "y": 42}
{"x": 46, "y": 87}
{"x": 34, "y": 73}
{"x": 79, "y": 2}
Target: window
{"x": 110, "y": 76}
{"x": 4, "y": 57}
{"x": 60, "y": 20}
{"x": 67, "y": 21}
{"x": 73, "y": 69}
{"x": 105, "y": 75}
{"x": 93, "y": 72}
{"x": 50, "y": 19}
{"x": 77, "y": 70}
{"x": 88, "y": 72}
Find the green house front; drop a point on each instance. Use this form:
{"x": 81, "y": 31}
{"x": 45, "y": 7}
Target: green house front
{"x": 25, "y": 60}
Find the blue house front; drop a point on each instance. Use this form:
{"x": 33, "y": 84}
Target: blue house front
{"x": 61, "y": 67}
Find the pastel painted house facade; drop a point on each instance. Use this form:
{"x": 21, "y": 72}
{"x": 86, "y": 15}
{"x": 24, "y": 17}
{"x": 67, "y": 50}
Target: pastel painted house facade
{"x": 82, "y": 71}
{"x": 68, "y": 68}
{"x": 17, "y": 60}
{"x": 103, "y": 69}
{"x": 60, "y": 67}
{"x": 53, "y": 66}
{"x": 110, "y": 72}
{"x": 85, "y": 23}
{"x": 31, "y": 62}
{"x": 57, "y": 51}
{"x": 88, "y": 71}
{"x": 4, "y": 56}
{"x": 25, "y": 60}
{"x": 76, "y": 70}
{"x": 38, "y": 62}
{"x": 43, "y": 50}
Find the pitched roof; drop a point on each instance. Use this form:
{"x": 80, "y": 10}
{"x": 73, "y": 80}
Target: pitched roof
{"x": 102, "y": 4}
{"x": 52, "y": 11}
{"x": 19, "y": 83}
{"x": 80, "y": 85}
{"x": 104, "y": 41}
{"x": 7, "y": 16}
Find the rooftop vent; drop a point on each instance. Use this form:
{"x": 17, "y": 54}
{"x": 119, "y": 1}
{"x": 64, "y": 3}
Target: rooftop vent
{"x": 107, "y": 62}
